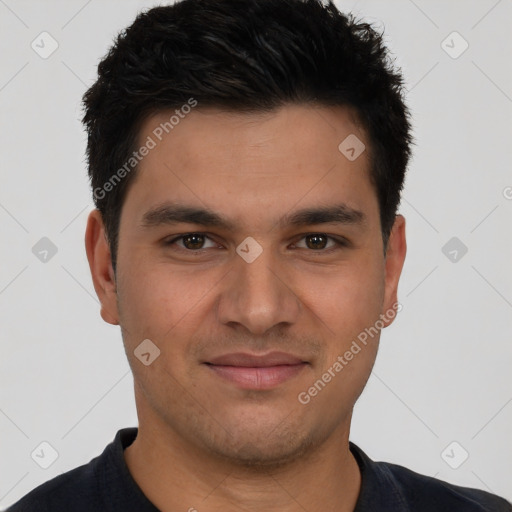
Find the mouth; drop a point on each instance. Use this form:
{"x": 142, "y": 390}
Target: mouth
{"x": 257, "y": 372}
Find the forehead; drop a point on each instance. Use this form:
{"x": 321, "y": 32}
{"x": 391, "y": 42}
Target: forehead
{"x": 307, "y": 132}
{"x": 253, "y": 164}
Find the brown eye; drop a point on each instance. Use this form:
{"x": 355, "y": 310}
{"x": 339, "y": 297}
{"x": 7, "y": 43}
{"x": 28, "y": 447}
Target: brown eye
{"x": 320, "y": 242}
{"x": 317, "y": 241}
{"x": 193, "y": 241}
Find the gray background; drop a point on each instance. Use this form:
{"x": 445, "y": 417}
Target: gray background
{"x": 443, "y": 372}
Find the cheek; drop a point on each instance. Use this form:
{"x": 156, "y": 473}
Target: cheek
{"x": 161, "y": 306}
{"x": 348, "y": 305}
{"x": 349, "y": 299}
{"x": 148, "y": 301}
{"x": 160, "y": 302}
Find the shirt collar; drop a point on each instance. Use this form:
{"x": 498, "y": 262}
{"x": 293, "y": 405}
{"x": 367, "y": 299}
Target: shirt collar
{"x": 379, "y": 490}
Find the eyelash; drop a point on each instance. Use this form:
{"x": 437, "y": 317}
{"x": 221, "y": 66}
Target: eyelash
{"x": 340, "y": 243}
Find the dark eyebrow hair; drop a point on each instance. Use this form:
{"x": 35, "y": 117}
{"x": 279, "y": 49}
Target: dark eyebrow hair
{"x": 172, "y": 213}
{"x": 336, "y": 214}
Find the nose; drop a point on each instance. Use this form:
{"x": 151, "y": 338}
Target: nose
{"x": 258, "y": 295}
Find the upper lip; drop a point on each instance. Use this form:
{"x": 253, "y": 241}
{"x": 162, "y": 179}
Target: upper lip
{"x": 255, "y": 361}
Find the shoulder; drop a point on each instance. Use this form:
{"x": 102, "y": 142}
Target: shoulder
{"x": 386, "y": 486}
{"x": 426, "y": 493}
{"x": 76, "y": 487}
{"x": 92, "y": 486}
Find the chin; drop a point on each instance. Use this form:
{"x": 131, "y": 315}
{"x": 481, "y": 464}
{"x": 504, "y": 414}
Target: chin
{"x": 259, "y": 449}
{"x": 255, "y": 457}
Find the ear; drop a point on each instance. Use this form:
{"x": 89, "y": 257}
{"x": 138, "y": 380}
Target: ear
{"x": 395, "y": 257}
{"x": 100, "y": 263}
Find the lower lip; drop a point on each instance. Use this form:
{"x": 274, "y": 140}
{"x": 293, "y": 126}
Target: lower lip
{"x": 258, "y": 378}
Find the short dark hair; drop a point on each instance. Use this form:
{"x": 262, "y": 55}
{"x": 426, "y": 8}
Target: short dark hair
{"x": 246, "y": 56}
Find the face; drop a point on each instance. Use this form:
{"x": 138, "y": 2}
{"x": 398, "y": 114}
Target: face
{"x": 251, "y": 255}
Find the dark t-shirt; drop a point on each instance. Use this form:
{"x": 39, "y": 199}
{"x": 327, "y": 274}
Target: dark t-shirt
{"x": 106, "y": 485}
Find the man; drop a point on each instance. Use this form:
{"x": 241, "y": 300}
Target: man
{"x": 246, "y": 160}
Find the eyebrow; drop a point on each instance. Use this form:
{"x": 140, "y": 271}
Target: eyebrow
{"x": 335, "y": 214}
{"x": 169, "y": 213}
{"x": 173, "y": 213}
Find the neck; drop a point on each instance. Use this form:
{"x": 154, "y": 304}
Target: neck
{"x": 177, "y": 475}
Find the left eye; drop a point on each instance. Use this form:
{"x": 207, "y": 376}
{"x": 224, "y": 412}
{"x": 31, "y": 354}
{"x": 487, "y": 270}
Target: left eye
{"x": 318, "y": 241}
{"x": 192, "y": 241}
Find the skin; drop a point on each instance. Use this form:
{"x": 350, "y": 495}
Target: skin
{"x": 204, "y": 442}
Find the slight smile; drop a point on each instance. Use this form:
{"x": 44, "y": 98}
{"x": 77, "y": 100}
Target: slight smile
{"x": 257, "y": 372}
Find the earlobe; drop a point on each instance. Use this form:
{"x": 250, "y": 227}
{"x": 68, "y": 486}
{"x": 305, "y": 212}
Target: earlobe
{"x": 107, "y": 317}
{"x": 100, "y": 264}
{"x": 395, "y": 257}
